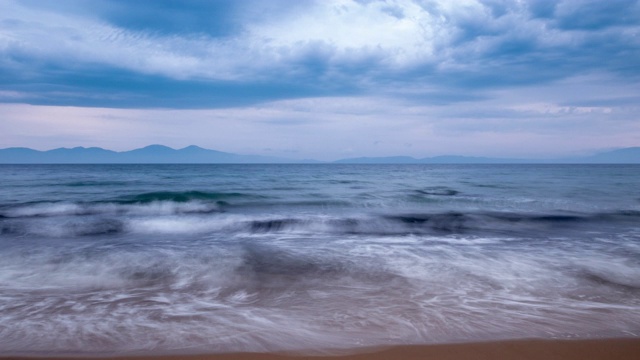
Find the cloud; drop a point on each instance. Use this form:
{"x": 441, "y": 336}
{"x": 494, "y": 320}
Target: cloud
{"x": 592, "y": 15}
{"x": 369, "y": 76}
{"x": 160, "y": 17}
{"x": 314, "y": 48}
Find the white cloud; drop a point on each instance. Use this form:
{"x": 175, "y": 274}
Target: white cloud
{"x": 352, "y": 27}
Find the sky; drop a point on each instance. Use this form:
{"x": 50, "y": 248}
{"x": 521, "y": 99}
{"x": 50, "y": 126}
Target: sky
{"x": 324, "y": 79}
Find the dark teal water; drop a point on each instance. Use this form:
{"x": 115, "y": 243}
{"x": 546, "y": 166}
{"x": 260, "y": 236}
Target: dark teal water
{"x": 186, "y": 258}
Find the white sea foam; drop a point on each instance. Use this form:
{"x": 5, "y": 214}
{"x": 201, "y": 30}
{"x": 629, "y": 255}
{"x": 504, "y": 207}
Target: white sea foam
{"x": 316, "y": 292}
{"x": 168, "y": 208}
{"x": 173, "y": 225}
{"x": 45, "y": 209}
{"x": 107, "y": 208}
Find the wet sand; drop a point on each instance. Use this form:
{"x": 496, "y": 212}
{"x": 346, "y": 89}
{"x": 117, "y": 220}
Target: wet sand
{"x": 613, "y": 349}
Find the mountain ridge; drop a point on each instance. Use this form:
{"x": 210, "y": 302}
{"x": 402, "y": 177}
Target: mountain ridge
{"x": 630, "y": 155}
{"x": 193, "y": 154}
{"x": 151, "y": 154}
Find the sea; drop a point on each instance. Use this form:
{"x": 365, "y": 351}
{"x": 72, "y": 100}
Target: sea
{"x": 175, "y": 259}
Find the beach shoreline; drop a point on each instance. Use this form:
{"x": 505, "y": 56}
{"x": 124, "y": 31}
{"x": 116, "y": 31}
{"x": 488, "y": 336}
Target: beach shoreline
{"x": 529, "y": 349}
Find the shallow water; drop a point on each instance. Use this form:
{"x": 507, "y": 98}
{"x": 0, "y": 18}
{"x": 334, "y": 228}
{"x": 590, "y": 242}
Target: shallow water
{"x": 182, "y": 258}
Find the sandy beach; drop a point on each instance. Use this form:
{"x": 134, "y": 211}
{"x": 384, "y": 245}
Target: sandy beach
{"x": 612, "y": 349}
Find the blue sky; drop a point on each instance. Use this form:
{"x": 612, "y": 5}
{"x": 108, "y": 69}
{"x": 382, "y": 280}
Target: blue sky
{"x": 323, "y": 79}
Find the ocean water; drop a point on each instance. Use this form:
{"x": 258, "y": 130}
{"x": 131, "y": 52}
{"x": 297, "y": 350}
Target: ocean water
{"x": 103, "y": 259}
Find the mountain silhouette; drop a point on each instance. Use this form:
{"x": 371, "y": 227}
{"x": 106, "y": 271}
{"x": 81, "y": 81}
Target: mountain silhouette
{"x": 158, "y": 154}
{"x": 152, "y": 154}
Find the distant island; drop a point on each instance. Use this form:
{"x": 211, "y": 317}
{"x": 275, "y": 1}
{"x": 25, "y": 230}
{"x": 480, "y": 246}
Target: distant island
{"x": 160, "y": 154}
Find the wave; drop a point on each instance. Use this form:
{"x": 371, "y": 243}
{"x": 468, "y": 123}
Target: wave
{"x": 246, "y": 213}
{"x": 196, "y": 201}
{"x": 195, "y": 217}
{"x": 144, "y": 204}
{"x": 437, "y": 191}
{"x": 457, "y": 222}
{"x": 617, "y": 283}
{"x": 160, "y": 207}
{"x": 240, "y": 296}
{"x": 438, "y": 223}
{"x": 94, "y": 183}
{"x": 185, "y": 196}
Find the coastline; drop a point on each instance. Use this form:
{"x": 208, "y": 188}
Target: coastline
{"x": 528, "y": 349}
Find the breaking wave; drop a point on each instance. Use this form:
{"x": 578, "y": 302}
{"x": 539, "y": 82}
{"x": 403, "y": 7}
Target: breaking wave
{"x": 188, "y": 212}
